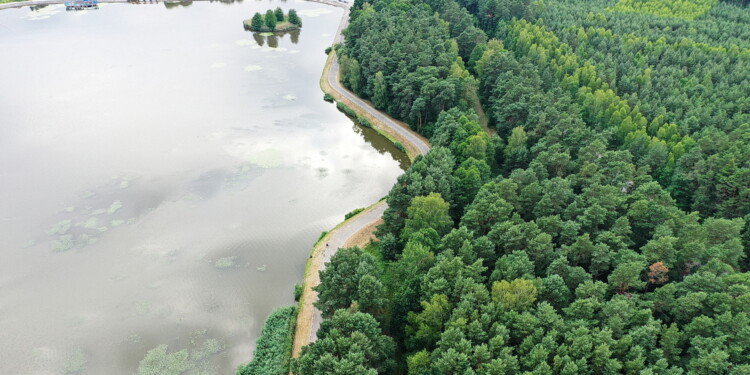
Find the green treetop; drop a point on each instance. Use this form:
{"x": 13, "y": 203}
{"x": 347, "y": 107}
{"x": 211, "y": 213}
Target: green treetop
{"x": 294, "y": 18}
{"x": 270, "y": 20}
{"x": 257, "y": 21}
{"x": 279, "y": 14}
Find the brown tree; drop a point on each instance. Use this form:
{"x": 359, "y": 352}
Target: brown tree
{"x": 657, "y": 273}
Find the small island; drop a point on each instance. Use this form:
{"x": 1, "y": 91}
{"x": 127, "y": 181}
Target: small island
{"x": 274, "y": 20}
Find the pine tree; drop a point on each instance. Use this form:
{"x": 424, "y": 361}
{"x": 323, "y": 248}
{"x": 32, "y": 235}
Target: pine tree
{"x": 257, "y": 22}
{"x": 270, "y": 20}
{"x": 294, "y": 18}
{"x": 279, "y": 14}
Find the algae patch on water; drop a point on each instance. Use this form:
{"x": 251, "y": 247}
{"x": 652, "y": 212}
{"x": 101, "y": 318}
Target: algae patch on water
{"x": 62, "y": 227}
{"x": 134, "y": 339}
{"x": 91, "y": 223}
{"x": 75, "y": 362}
{"x": 226, "y": 262}
{"x": 196, "y": 358}
{"x": 62, "y": 243}
{"x": 253, "y": 68}
{"x": 116, "y": 205}
{"x": 140, "y": 308}
{"x": 218, "y": 65}
{"x": 266, "y": 158}
{"x": 159, "y": 361}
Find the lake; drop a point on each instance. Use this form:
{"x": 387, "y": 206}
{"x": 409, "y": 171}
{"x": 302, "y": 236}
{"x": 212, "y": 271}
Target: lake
{"x": 165, "y": 174}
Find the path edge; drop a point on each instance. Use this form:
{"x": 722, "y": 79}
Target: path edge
{"x": 305, "y": 308}
{"x": 411, "y": 150}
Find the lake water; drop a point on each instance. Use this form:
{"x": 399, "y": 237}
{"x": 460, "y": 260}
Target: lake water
{"x": 163, "y": 178}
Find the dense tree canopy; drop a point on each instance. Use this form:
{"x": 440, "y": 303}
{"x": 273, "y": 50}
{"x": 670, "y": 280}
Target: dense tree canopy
{"x": 350, "y": 343}
{"x": 603, "y": 228}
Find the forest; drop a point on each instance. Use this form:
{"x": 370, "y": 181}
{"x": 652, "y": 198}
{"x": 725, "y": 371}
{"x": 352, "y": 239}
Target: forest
{"x": 600, "y": 224}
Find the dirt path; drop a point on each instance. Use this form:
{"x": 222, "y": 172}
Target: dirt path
{"x": 308, "y": 317}
{"x": 398, "y": 129}
{"x": 357, "y": 230}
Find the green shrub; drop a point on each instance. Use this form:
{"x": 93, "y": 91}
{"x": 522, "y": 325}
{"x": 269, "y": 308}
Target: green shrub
{"x": 353, "y": 212}
{"x": 273, "y": 352}
{"x": 322, "y": 234}
{"x": 298, "y": 289}
{"x": 364, "y": 122}
{"x": 327, "y": 97}
{"x": 351, "y": 113}
{"x": 400, "y": 146}
{"x": 345, "y": 108}
{"x": 328, "y": 50}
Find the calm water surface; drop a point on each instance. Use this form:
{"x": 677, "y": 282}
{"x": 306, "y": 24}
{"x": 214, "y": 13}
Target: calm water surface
{"x": 163, "y": 177}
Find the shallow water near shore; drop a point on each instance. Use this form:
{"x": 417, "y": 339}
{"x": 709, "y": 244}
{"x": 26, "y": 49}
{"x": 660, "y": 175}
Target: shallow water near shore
{"x": 164, "y": 176}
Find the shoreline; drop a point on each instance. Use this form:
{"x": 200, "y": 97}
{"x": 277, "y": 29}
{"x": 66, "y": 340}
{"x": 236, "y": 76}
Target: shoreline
{"x": 305, "y": 325}
{"x": 20, "y": 4}
{"x": 412, "y": 151}
{"x": 356, "y": 230}
{"x": 360, "y": 227}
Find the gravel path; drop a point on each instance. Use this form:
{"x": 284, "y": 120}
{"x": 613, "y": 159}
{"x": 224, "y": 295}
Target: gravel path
{"x": 336, "y": 240}
{"x": 408, "y": 134}
{"x": 339, "y": 236}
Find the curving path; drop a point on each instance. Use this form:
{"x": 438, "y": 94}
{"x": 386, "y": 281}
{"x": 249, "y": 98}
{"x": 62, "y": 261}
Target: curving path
{"x": 309, "y": 318}
{"x": 335, "y": 241}
{"x": 407, "y": 134}
{"x": 340, "y": 235}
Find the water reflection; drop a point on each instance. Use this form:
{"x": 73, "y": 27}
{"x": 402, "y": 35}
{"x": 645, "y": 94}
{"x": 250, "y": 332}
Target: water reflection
{"x": 175, "y": 4}
{"x": 187, "y": 3}
{"x": 382, "y": 144}
{"x": 379, "y": 142}
{"x": 272, "y": 39}
{"x": 225, "y": 1}
{"x": 259, "y": 39}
